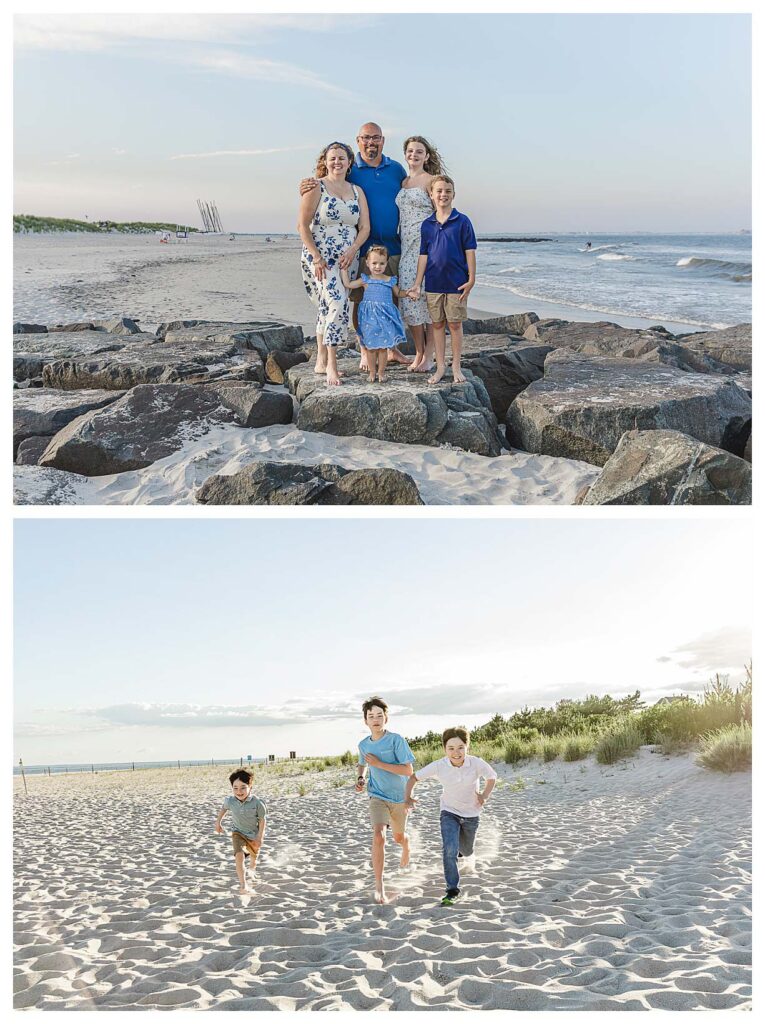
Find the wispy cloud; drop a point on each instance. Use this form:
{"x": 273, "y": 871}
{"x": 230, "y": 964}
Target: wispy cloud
{"x": 65, "y": 159}
{"x": 95, "y": 32}
{"x": 238, "y": 152}
{"x": 718, "y": 650}
{"x": 242, "y": 65}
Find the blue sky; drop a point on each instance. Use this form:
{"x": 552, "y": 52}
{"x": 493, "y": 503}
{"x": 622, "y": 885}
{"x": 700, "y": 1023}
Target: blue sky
{"x": 550, "y": 122}
{"x": 162, "y": 638}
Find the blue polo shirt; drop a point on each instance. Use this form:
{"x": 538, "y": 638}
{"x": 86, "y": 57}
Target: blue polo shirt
{"x": 246, "y": 815}
{"x": 445, "y": 246}
{"x": 392, "y": 749}
{"x": 381, "y": 186}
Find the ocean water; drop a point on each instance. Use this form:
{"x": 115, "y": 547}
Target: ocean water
{"x": 698, "y": 280}
{"x": 125, "y": 766}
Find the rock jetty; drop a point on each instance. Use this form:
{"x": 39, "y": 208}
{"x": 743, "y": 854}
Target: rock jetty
{"x": 665, "y": 418}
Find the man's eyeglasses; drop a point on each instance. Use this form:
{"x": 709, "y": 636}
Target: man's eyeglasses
{"x": 370, "y": 138}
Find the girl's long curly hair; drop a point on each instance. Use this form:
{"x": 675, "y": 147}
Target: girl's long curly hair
{"x": 434, "y": 163}
{"x": 321, "y": 159}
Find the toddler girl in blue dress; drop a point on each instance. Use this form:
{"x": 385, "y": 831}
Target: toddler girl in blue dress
{"x": 380, "y": 325}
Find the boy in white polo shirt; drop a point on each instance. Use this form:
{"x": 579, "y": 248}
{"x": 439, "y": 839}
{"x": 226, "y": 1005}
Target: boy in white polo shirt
{"x": 461, "y": 801}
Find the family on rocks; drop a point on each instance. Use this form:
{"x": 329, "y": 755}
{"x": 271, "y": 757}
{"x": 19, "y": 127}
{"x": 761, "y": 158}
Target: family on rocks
{"x": 665, "y": 418}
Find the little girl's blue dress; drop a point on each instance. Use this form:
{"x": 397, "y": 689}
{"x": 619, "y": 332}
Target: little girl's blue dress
{"x": 380, "y": 322}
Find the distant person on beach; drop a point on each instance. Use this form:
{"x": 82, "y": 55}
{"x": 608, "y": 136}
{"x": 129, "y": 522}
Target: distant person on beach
{"x": 447, "y": 265}
{"x": 415, "y": 205}
{"x": 248, "y": 820}
{"x": 387, "y": 757}
{"x": 380, "y": 179}
{"x": 379, "y": 319}
{"x": 334, "y": 224}
{"x": 462, "y": 801}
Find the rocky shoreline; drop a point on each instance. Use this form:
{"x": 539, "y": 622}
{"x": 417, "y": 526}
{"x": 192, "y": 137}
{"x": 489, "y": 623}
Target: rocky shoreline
{"x": 663, "y": 418}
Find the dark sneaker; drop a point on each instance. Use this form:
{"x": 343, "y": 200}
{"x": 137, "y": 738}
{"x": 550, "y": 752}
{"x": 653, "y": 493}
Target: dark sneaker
{"x": 450, "y": 899}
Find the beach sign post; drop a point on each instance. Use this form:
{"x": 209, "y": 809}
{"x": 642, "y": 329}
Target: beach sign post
{"x": 23, "y": 777}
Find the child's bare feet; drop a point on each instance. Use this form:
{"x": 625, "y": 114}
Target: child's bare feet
{"x": 380, "y": 896}
{"x": 415, "y": 365}
{"x": 440, "y": 371}
{"x": 333, "y": 377}
{"x": 459, "y": 376}
{"x": 404, "y": 862}
{"x": 399, "y": 357}
{"x": 381, "y": 378}
{"x": 371, "y": 376}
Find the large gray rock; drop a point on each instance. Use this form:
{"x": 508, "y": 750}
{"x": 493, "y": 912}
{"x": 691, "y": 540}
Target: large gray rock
{"x": 119, "y": 325}
{"x": 32, "y": 352}
{"x": 22, "y": 328}
{"x": 255, "y": 407}
{"x": 406, "y": 409}
{"x": 261, "y": 336}
{"x": 30, "y": 450}
{"x": 154, "y": 363}
{"x": 665, "y": 467}
{"x": 508, "y": 371}
{"x": 34, "y": 485}
{"x": 278, "y": 362}
{"x": 583, "y": 405}
{"x": 148, "y": 423}
{"x": 44, "y": 411}
{"x": 275, "y": 483}
{"x": 516, "y": 324}
{"x": 731, "y": 347}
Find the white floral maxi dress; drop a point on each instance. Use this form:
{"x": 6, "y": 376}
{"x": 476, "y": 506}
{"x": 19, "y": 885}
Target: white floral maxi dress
{"x": 414, "y": 206}
{"x": 334, "y": 230}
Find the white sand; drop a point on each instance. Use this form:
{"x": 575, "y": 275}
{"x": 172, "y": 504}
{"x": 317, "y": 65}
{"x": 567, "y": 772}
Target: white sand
{"x": 624, "y": 887}
{"x": 444, "y": 476}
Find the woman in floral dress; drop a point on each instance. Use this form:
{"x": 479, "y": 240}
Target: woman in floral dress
{"x": 414, "y": 206}
{"x": 334, "y": 224}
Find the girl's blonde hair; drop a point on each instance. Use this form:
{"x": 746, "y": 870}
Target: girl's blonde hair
{"x": 378, "y": 248}
{"x": 434, "y": 164}
{"x": 321, "y": 159}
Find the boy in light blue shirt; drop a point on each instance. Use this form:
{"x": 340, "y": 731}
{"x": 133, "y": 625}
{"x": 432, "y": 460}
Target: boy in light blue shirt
{"x": 388, "y": 759}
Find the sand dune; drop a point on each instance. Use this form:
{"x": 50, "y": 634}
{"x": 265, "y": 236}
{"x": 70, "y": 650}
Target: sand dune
{"x": 624, "y": 887}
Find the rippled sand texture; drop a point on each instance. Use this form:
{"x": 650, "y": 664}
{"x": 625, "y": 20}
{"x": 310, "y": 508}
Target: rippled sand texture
{"x": 624, "y": 887}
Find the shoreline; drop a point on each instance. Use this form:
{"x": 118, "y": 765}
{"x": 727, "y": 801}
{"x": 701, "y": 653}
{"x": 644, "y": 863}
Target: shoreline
{"x": 135, "y": 276}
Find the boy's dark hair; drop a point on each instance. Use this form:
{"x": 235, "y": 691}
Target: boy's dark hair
{"x": 373, "y": 702}
{"x": 241, "y": 775}
{"x": 458, "y": 732}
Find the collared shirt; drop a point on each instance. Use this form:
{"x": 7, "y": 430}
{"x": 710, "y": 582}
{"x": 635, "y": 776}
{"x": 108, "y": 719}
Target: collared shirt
{"x": 246, "y": 815}
{"x": 445, "y": 246}
{"x": 460, "y": 792}
{"x": 381, "y": 185}
{"x": 392, "y": 749}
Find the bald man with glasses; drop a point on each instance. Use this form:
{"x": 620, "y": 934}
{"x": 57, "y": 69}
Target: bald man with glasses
{"x": 380, "y": 179}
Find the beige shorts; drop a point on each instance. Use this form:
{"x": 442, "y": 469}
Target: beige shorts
{"x": 391, "y": 267}
{"x": 385, "y": 812}
{"x": 446, "y": 306}
{"x": 243, "y": 845}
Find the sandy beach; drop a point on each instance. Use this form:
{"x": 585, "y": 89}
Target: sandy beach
{"x": 596, "y": 887}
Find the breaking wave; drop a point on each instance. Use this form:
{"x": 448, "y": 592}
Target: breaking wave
{"x": 730, "y": 269}
{"x": 613, "y": 256}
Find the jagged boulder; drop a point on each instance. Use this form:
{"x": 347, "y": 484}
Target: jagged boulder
{"x": 730, "y": 347}
{"x": 44, "y": 411}
{"x": 506, "y": 371}
{"x": 154, "y": 363}
{"x": 665, "y": 467}
{"x": 30, "y": 450}
{"x": 406, "y": 409}
{"x": 278, "y": 362}
{"x": 260, "y": 336}
{"x": 33, "y": 351}
{"x": 276, "y": 483}
{"x": 583, "y": 405}
{"x": 150, "y": 422}
{"x": 515, "y": 323}
{"x": 22, "y": 328}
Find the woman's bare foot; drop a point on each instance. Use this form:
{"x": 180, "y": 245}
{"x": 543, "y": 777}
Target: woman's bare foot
{"x": 333, "y": 377}
{"x": 437, "y": 376}
{"x": 399, "y": 357}
{"x": 459, "y": 376}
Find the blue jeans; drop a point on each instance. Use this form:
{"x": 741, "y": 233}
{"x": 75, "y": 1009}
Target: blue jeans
{"x": 458, "y": 835}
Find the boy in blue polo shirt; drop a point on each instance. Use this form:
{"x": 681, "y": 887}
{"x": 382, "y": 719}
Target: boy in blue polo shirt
{"x": 447, "y": 264}
{"x": 248, "y": 821}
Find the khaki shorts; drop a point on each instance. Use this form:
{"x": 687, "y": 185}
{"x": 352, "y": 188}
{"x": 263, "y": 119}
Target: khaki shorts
{"x": 243, "y": 845}
{"x": 446, "y": 306}
{"x": 391, "y": 267}
{"x": 385, "y": 812}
